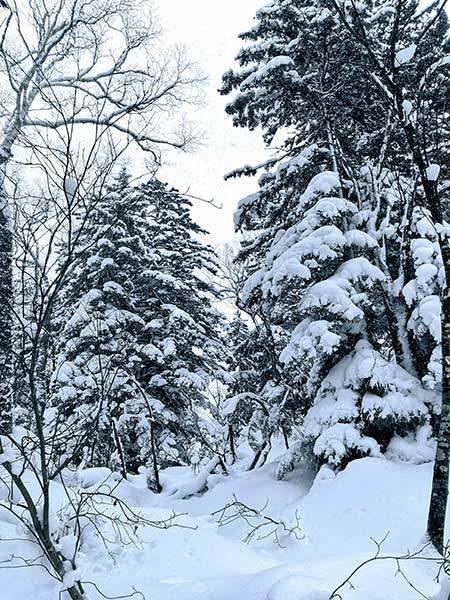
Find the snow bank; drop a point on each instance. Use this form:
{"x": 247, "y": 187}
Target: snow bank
{"x": 197, "y": 558}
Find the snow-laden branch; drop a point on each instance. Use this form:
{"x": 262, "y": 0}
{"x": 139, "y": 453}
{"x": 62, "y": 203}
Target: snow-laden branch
{"x": 92, "y": 63}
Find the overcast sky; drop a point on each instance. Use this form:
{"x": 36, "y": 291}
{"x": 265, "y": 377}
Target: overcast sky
{"x": 209, "y": 28}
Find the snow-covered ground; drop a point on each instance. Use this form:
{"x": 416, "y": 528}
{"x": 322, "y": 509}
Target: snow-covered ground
{"x": 339, "y": 518}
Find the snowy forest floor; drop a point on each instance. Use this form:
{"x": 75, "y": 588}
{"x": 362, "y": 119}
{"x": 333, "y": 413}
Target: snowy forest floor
{"x": 200, "y": 559}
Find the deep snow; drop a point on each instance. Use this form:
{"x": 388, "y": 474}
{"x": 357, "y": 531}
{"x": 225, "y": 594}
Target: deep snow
{"x": 199, "y": 559}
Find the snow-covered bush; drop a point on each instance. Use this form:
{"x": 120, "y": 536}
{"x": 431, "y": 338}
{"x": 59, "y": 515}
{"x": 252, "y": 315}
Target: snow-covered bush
{"x": 362, "y": 404}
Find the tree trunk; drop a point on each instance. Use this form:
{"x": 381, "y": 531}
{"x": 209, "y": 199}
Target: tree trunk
{"x": 261, "y": 455}
{"x": 6, "y": 314}
{"x": 439, "y": 490}
{"x": 285, "y": 437}
{"x": 119, "y": 448}
{"x": 232, "y": 445}
{"x": 153, "y": 481}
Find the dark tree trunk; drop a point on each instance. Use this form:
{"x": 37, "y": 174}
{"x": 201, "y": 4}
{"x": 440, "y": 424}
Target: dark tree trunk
{"x": 261, "y": 455}
{"x": 6, "y": 316}
{"x": 232, "y": 445}
{"x": 439, "y": 490}
{"x": 153, "y": 481}
{"x": 119, "y": 447}
{"x": 286, "y": 438}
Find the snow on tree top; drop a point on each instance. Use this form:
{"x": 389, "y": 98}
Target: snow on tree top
{"x": 299, "y": 161}
{"x": 324, "y": 183}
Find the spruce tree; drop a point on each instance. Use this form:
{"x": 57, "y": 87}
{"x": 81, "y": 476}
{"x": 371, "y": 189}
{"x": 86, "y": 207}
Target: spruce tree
{"x": 406, "y": 52}
{"x": 93, "y": 381}
{"x": 181, "y": 350}
{"x": 6, "y": 308}
{"x": 139, "y": 335}
{"x": 325, "y": 277}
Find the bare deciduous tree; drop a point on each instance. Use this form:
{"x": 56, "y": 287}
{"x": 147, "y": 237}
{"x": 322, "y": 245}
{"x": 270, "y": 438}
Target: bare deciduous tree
{"x": 82, "y": 80}
{"x": 77, "y": 70}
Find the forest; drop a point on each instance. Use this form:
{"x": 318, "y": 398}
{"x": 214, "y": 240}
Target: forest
{"x": 261, "y": 418}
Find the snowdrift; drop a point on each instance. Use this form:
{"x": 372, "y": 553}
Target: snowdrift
{"x": 340, "y": 517}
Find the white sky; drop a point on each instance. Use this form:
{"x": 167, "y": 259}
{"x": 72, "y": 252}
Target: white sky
{"x": 209, "y": 29}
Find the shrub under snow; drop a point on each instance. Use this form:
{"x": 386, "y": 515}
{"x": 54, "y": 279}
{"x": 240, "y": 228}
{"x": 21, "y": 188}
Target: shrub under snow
{"x": 364, "y": 402}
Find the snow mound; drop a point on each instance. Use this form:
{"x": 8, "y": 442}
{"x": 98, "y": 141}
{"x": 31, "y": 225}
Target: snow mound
{"x": 198, "y": 558}
{"x": 296, "y": 587}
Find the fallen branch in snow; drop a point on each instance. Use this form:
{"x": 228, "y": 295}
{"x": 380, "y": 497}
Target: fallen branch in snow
{"x": 416, "y": 555}
{"x": 97, "y": 503}
{"x": 37, "y": 561}
{"x": 260, "y": 524}
{"x": 133, "y": 594}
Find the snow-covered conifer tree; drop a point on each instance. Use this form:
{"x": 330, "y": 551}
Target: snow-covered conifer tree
{"x": 405, "y": 50}
{"x": 324, "y": 220}
{"x": 98, "y": 337}
{"x": 6, "y": 310}
{"x": 139, "y": 333}
{"x": 180, "y": 349}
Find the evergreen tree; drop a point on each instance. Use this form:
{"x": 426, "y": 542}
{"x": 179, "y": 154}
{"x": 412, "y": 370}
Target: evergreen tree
{"x": 325, "y": 272}
{"x": 406, "y": 54}
{"x": 6, "y": 307}
{"x": 99, "y": 326}
{"x": 139, "y": 333}
{"x": 181, "y": 349}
